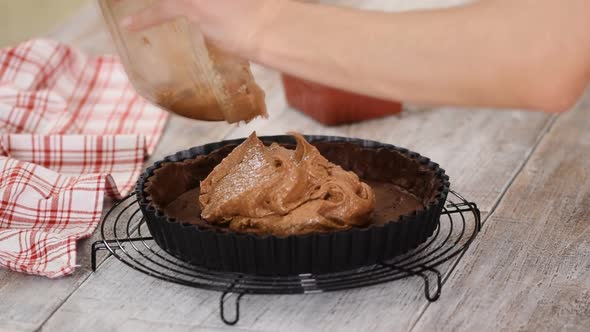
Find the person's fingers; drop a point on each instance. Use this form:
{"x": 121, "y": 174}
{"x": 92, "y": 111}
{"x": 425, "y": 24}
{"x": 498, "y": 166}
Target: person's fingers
{"x": 158, "y": 13}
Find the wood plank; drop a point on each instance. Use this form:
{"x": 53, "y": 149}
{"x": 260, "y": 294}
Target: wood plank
{"x": 529, "y": 269}
{"x": 117, "y": 296}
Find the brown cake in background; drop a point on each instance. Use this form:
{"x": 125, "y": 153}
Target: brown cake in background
{"x": 333, "y": 107}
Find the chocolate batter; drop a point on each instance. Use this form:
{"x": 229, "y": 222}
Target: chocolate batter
{"x": 274, "y": 190}
{"x": 225, "y": 90}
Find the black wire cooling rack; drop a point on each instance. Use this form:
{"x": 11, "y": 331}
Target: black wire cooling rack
{"x": 126, "y": 237}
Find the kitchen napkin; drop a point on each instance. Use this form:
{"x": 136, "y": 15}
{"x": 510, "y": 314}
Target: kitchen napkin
{"x": 72, "y": 130}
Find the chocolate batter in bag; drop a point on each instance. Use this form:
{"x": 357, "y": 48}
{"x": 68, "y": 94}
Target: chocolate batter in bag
{"x": 173, "y": 66}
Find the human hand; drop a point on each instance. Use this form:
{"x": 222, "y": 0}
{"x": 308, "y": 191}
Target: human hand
{"x": 234, "y": 25}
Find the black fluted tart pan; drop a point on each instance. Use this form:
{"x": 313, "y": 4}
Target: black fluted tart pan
{"x": 219, "y": 249}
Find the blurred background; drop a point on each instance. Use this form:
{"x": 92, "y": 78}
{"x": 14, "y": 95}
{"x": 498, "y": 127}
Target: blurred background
{"x": 24, "y": 19}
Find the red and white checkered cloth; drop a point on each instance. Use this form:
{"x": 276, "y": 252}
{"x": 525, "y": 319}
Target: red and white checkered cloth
{"x": 72, "y": 128}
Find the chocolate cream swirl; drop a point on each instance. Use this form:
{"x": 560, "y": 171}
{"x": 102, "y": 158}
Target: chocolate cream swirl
{"x": 274, "y": 190}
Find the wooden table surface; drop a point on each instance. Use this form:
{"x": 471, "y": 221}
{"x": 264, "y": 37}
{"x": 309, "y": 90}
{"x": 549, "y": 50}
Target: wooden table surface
{"x": 529, "y": 268}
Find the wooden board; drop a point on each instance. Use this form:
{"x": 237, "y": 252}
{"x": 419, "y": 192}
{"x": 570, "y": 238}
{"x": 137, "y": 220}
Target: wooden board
{"x": 530, "y": 268}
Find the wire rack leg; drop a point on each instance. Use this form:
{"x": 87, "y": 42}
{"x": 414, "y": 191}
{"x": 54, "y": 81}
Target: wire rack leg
{"x": 222, "y": 300}
{"x": 96, "y": 247}
{"x": 430, "y": 296}
{"x": 427, "y": 292}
